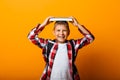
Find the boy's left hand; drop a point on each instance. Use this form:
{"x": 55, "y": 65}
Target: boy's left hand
{"x": 74, "y": 21}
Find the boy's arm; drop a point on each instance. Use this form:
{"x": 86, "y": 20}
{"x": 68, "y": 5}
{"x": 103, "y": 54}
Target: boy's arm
{"x": 33, "y": 35}
{"x": 88, "y": 36}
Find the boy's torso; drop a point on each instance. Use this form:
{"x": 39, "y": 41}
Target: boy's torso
{"x": 60, "y": 68}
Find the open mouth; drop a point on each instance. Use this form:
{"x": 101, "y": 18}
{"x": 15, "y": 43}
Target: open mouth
{"x": 61, "y": 36}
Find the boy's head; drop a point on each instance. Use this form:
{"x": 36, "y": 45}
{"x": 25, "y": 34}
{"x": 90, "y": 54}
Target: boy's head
{"x": 61, "y": 31}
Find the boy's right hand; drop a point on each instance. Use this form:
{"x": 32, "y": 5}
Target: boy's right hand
{"x": 47, "y": 21}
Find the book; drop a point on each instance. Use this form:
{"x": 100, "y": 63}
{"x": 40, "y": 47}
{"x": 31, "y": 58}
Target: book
{"x": 61, "y": 19}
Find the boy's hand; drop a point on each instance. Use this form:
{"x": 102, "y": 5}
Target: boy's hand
{"x": 47, "y": 21}
{"x": 74, "y": 21}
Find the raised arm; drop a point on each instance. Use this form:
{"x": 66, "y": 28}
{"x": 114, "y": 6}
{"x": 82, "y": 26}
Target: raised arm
{"x": 88, "y": 36}
{"x": 33, "y": 34}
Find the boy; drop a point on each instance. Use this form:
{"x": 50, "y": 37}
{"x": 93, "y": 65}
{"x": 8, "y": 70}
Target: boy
{"x": 61, "y": 57}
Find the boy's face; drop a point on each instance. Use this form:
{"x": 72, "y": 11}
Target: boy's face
{"x": 61, "y": 33}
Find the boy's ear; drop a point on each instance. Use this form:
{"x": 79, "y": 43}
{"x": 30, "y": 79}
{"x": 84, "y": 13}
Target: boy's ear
{"x": 69, "y": 33}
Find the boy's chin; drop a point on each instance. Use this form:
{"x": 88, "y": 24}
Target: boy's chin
{"x": 61, "y": 41}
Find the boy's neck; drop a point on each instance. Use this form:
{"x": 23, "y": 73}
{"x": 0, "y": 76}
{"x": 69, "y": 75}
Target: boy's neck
{"x": 61, "y": 42}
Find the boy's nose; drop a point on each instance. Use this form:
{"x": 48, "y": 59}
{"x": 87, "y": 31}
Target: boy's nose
{"x": 61, "y": 32}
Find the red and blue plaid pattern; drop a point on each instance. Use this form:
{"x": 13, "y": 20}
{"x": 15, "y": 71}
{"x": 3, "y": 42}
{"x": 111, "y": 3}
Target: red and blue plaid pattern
{"x": 42, "y": 43}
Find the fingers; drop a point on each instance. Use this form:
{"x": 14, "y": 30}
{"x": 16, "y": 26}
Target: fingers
{"x": 47, "y": 20}
{"x": 74, "y": 21}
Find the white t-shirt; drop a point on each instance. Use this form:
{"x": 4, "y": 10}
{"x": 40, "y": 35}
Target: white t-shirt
{"x": 60, "y": 69}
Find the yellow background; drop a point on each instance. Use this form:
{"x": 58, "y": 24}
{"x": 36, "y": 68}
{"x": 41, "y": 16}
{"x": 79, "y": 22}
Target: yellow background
{"x": 21, "y": 60}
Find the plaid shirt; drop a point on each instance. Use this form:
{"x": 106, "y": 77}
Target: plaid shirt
{"x": 42, "y": 43}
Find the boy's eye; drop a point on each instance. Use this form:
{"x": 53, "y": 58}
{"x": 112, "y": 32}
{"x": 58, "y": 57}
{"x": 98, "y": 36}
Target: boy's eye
{"x": 64, "y": 30}
{"x": 58, "y": 30}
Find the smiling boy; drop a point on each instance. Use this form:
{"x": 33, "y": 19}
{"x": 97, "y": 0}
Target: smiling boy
{"x": 61, "y": 31}
{"x": 60, "y": 62}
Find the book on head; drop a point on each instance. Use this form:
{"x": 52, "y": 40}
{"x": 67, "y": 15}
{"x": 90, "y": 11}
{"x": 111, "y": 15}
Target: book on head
{"x": 60, "y": 19}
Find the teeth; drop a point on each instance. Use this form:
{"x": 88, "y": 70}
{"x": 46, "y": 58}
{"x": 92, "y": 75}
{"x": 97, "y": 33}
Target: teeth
{"x": 61, "y": 36}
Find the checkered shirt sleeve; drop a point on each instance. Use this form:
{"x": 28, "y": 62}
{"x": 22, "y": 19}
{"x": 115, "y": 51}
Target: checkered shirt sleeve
{"x": 87, "y": 39}
{"x": 33, "y": 37}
